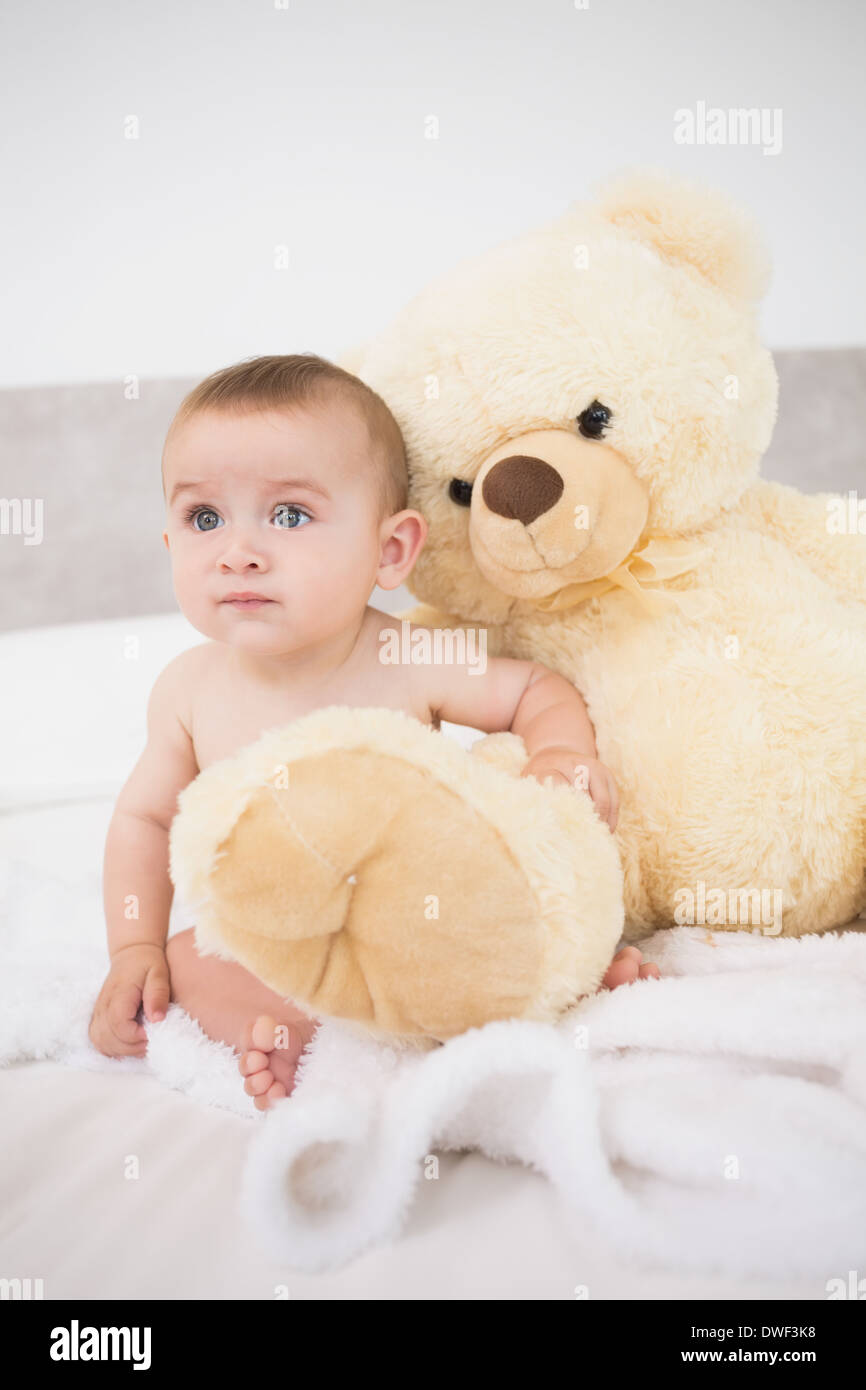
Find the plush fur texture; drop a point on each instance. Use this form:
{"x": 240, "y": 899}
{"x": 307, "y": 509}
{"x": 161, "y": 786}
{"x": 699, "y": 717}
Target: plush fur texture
{"x": 733, "y": 712}
{"x": 373, "y": 870}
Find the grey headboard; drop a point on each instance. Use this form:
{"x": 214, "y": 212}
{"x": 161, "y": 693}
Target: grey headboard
{"x": 93, "y": 458}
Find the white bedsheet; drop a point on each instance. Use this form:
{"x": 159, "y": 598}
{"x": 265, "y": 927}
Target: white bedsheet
{"x": 478, "y": 1230}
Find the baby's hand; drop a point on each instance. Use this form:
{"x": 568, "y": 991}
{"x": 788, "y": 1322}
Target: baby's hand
{"x": 577, "y": 770}
{"x": 138, "y": 974}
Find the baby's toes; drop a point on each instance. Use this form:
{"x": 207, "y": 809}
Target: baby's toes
{"x": 254, "y": 1038}
{"x": 276, "y": 1091}
{"x": 252, "y": 1061}
{"x": 623, "y": 968}
{"x": 263, "y": 1033}
{"x": 650, "y": 971}
{"x": 259, "y": 1082}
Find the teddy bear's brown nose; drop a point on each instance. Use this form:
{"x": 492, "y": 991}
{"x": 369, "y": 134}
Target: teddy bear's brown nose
{"x": 522, "y": 487}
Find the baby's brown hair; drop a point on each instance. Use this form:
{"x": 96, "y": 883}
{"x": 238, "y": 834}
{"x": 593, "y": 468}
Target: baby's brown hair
{"x": 270, "y": 383}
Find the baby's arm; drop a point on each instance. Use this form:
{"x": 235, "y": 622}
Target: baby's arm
{"x": 136, "y": 883}
{"x": 540, "y": 705}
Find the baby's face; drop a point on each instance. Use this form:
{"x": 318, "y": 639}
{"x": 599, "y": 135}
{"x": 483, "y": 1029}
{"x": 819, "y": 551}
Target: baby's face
{"x": 272, "y": 525}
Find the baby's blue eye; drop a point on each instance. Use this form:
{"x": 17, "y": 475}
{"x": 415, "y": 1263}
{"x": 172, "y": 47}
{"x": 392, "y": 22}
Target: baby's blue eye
{"x": 283, "y": 515}
{"x": 206, "y": 519}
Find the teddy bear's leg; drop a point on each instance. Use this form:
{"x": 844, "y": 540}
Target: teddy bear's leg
{"x": 312, "y": 871}
{"x": 368, "y": 889}
{"x": 827, "y": 530}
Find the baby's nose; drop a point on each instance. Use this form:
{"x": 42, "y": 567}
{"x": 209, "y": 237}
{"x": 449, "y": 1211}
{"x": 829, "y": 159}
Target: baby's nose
{"x": 238, "y": 556}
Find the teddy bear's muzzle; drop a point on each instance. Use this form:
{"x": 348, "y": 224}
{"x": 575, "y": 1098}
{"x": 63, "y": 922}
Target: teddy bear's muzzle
{"x": 550, "y": 508}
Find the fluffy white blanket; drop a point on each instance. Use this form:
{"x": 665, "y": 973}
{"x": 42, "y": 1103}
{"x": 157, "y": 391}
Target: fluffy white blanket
{"x": 713, "y": 1120}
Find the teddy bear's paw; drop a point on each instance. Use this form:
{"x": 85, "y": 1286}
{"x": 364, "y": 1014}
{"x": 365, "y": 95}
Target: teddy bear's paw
{"x": 506, "y": 751}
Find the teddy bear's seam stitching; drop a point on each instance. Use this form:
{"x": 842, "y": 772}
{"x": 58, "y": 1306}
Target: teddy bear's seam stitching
{"x": 304, "y": 841}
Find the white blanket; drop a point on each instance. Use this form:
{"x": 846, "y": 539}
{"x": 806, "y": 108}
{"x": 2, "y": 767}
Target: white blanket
{"x": 713, "y": 1120}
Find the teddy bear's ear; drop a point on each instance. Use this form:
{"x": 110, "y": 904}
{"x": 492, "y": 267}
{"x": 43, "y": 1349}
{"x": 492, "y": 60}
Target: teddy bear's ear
{"x": 691, "y": 223}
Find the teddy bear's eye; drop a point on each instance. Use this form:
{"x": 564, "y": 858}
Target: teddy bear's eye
{"x": 460, "y": 492}
{"x": 592, "y": 421}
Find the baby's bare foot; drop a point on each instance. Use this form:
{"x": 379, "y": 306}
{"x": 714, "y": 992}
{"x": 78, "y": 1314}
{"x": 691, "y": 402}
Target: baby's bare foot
{"x": 628, "y": 965}
{"x": 270, "y": 1052}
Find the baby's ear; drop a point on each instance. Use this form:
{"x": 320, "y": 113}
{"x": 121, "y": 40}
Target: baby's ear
{"x": 689, "y": 222}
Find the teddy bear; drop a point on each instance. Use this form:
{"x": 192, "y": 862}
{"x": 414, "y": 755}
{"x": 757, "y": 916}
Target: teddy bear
{"x": 584, "y": 409}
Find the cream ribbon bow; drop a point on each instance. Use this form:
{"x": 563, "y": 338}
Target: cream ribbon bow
{"x": 657, "y": 559}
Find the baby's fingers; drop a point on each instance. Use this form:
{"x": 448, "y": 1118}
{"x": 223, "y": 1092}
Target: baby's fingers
{"x": 613, "y": 816}
{"x": 554, "y": 779}
{"x": 605, "y": 797}
{"x": 157, "y": 992}
{"x": 598, "y": 790}
{"x": 122, "y": 1009}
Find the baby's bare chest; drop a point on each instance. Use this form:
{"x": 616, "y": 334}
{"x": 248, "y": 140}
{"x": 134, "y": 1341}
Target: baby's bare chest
{"x": 227, "y": 714}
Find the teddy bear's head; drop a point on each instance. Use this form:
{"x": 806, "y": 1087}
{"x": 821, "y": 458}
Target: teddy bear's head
{"x": 585, "y": 387}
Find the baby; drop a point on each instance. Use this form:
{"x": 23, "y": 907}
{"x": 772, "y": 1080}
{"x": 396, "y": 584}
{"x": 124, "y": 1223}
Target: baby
{"x": 286, "y": 487}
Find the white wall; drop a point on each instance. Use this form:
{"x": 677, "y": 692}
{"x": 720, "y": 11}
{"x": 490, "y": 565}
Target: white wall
{"x": 305, "y": 126}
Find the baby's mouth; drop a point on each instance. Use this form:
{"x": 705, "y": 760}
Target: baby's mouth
{"x": 246, "y": 600}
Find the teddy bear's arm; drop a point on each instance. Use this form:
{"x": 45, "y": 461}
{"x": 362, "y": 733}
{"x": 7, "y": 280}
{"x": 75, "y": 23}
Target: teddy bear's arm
{"x": 825, "y": 529}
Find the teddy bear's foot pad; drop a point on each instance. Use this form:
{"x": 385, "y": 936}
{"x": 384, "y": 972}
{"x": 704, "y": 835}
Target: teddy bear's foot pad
{"x": 354, "y": 840}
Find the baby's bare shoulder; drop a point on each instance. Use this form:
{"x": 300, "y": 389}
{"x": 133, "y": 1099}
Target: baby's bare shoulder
{"x": 388, "y": 668}
{"x": 462, "y": 682}
{"x": 175, "y": 688}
